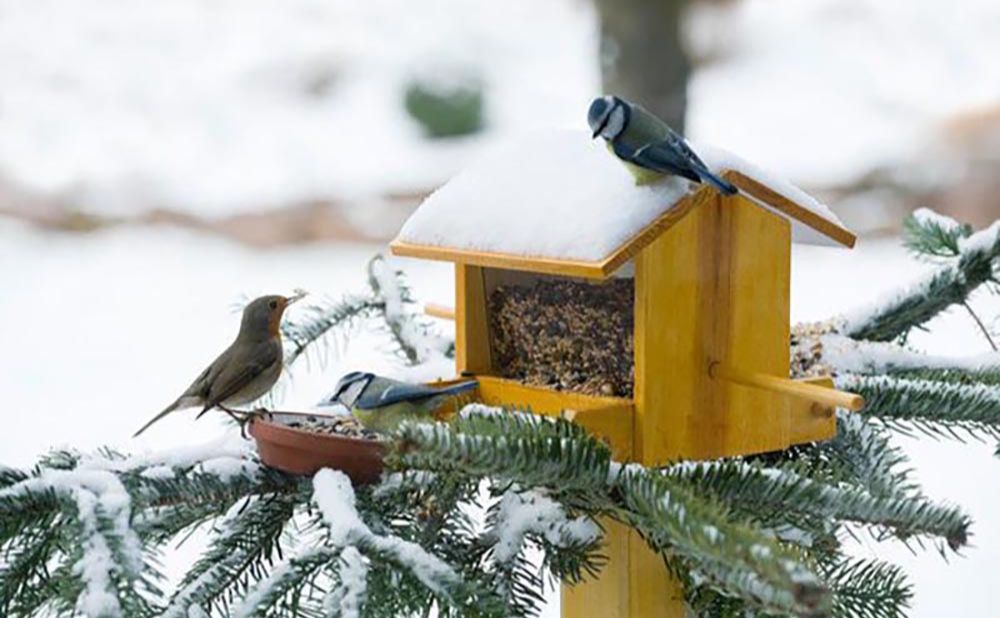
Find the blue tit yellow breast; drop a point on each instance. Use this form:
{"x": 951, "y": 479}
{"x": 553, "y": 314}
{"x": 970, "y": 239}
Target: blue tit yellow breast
{"x": 386, "y": 419}
{"x": 641, "y": 175}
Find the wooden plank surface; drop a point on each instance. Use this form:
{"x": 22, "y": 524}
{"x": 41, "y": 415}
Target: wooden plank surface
{"x": 472, "y": 338}
{"x": 610, "y": 418}
{"x": 552, "y": 266}
{"x": 784, "y": 205}
{"x": 755, "y": 273}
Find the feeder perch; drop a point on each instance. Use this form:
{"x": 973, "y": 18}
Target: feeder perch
{"x": 711, "y": 316}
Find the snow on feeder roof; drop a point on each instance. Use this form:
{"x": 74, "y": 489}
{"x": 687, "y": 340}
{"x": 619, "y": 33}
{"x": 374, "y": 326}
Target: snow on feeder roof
{"x": 559, "y": 202}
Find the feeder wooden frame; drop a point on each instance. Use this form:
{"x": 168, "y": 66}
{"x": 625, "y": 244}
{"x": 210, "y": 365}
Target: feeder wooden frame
{"x": 711, "y": 359}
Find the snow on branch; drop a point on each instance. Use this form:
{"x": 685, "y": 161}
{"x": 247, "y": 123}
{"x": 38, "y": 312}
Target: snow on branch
{"x": 933, "y": 407}
{"x": 929, "y": 234}
{"x": 334, "y": 496}
{"x": 414, "y": 339}
{"x": 846, "y": 355}
{"x": 761, "y": 489}
{"x": 347, "y": 598}
{"x": 951, "y": 283}
{"x": 111, "y": 553}
{"x": 523, "y": 513}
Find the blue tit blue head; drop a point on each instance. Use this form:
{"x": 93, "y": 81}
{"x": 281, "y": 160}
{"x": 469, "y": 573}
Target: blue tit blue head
{"x": 608, "y": 116}
{"x": 351, "y": 386}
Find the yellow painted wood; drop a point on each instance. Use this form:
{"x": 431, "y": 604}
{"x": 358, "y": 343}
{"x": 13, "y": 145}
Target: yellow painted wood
{"x": 472, "y": 339}
{"x": 771, "y": 198}
{"x": 567, "y": 268}
{"x": 712, "y": 282}
{"x": 825, "y": 397}
{"x": 608, "y": 595}
{"x": 810, "y": 422}
{"x": 672, "y": 338}
{"x": 607, "y": 417}
{"x": 754, "y": 266}
{"x": 715, "y": 287}
{"x": 653, "y": 592}
{"x": 599, "y": 269}
{"x": 439, "y": 311}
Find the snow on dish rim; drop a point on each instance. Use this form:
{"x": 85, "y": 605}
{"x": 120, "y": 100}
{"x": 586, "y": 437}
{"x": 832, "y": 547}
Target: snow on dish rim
{"x": 558, "y": 194}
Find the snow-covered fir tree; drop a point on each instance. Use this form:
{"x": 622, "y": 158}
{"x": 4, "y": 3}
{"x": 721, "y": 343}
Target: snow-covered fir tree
{"x": 760, "y": 535}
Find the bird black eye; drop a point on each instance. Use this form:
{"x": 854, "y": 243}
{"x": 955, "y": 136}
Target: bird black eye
{"x": 273, "y": 304}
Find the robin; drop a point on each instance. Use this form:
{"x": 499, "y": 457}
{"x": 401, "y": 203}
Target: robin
{"x": 246, "y": 370}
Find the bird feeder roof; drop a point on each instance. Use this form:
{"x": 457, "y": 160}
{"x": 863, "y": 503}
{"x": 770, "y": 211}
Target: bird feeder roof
{"x": 559, "y": 202}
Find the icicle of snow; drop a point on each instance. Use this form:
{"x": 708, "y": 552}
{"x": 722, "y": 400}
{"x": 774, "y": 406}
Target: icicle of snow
{"x": 347, "y": 598}
{"x": 532, "y": 512}
{"x": 334, "y": 496}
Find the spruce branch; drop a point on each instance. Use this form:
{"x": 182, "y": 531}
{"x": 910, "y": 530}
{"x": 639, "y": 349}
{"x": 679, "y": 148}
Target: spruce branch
{"x": 317, "y": 321}
{"x": 951, "y": 283}
{"x": 928, "y": 234}
{"x": 289, "y": 589}
{"x": 867, "y": 588}
{"x": 938, "y": 409}
{"x": 415, "y": 341}
{"x": 987, "y": 374}
{"x": 759, "y": 490}
{"x": 236, "y": 557}
{"x": 669, "y": 515}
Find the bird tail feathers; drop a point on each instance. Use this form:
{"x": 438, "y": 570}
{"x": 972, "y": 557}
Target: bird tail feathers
{"x": 181, "y": 403}
{"x": 461, "y": 387}
{"x": 723, "y": 186}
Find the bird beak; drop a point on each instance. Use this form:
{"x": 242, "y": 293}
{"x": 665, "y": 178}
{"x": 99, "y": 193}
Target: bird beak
{"x": 297, "y": 296}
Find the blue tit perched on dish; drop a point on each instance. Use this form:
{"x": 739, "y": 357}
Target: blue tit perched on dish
{"x": 647, "y": 146}
{"x": 382, "y": 404}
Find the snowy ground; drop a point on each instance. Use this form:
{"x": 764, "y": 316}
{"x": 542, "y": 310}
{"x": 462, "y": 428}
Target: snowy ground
{"x": 102, "y": 330}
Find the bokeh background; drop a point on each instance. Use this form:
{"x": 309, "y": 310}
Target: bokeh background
{"x": 161, "y": 161}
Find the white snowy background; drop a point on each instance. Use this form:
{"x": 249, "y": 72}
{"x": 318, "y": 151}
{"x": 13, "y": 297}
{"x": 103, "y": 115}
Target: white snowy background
{"x": 204, "y": 106}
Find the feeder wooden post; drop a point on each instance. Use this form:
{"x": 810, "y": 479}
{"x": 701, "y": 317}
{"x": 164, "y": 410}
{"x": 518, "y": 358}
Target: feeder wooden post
{"x": 714, "y": 286}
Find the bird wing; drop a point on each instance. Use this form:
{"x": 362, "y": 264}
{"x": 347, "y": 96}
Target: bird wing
{"x": 233, "y": 375}
{"x": 193, "y": 396}
{"x": 387, "y": 392}
{"x": 663, "y": 157}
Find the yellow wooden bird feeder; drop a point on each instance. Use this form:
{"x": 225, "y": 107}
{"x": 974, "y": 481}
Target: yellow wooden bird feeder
{"x": 711, "y": 312}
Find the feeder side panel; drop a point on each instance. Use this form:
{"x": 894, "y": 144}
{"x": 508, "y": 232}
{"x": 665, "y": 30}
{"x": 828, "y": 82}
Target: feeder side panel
{"x": 811, "y": 422}
{"x": 678, "y": 412}
{"x": 755, "y": 263}
{"x": 472, "y": 339}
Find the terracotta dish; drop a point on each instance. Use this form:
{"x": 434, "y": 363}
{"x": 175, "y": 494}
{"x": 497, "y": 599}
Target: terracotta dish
{"x": 298, "y": 451}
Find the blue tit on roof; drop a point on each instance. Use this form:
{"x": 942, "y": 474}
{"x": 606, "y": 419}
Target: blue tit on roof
{"x": 647, "y": 146}
{"x": 382, "y": 404}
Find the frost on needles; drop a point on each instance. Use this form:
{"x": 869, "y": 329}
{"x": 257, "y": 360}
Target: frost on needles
{"x": 760, "y": 535}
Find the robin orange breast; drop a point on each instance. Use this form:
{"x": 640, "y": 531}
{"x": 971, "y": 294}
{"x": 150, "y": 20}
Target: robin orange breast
{"x": 247, "y": 369}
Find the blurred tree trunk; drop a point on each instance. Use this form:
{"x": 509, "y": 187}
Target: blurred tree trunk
{"x": 642, "y": 58}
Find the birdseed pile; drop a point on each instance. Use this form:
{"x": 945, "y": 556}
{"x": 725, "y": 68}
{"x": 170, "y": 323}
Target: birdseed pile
{"x": 346, "y": 426}
{"x": 566, "y": 335}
